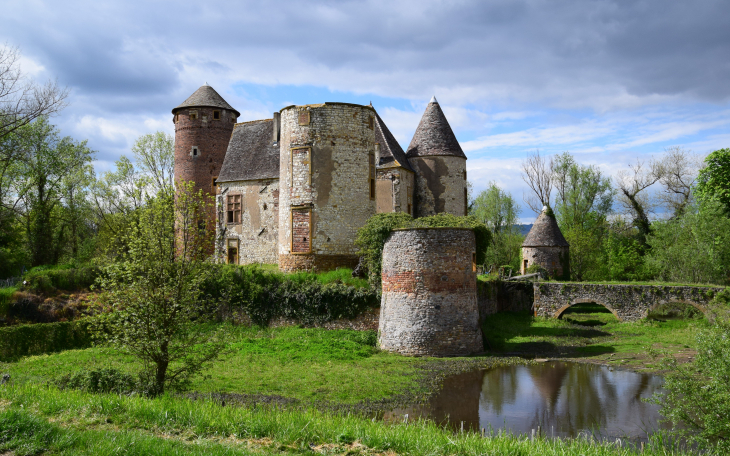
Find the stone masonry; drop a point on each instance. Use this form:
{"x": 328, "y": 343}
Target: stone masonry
{"x": 626, "y": 302}
{"x": 429, "y": 301}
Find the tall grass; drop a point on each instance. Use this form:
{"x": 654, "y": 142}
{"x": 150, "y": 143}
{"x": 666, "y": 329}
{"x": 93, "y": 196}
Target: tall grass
{"x": 177, "y": 419}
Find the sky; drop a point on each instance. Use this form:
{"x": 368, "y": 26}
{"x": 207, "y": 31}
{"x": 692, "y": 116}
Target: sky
{"x": 608, "y": 81}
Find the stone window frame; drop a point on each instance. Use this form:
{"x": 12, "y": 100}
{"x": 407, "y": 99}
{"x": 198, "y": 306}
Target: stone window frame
{"x": 291, "y": 162}
{"x": 216, "y": 112}
{"x": 174, "y": 118}
{"x": 231, "y": 213}
{"x": 237, "y": 246}
{"x": 214, "y": 185}
{"x": 308, "y": 208}
{"x": 371, "y": 122}
{"x": 304, "y": 117}
{"x": 193, "y": 115}
{"x": 195, "y": 151}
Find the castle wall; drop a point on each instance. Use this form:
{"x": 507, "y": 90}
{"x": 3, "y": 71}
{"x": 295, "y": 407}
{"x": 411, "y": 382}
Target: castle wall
{"x": 554, "y": 259}
{"x": 429, "y": 300}
{"x": 327, "y": 162}
{"x": 440, "y": 185}
{"x": 394, "y": 190}
{"x": 257, "y": 233}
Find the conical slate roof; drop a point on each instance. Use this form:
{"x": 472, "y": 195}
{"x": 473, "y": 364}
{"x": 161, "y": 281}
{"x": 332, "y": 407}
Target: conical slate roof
{"x": 434, "y": 135}
{"x": 545, "y": 233}
{"x": 391, "y": 153}
{"x": 205, "y": 97}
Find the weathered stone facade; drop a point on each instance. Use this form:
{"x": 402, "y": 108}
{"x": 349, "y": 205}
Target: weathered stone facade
{"x": 327, "y": 161}
{"x": 440, "y": 185}
{"x": 429, "y": 301}
{"x": 546, "y": 247}
{"x": 394, "y": 190}
{"x": 551, "y": 258}
{"x": 256, "y": 233}
{"x": 626, "y": 302}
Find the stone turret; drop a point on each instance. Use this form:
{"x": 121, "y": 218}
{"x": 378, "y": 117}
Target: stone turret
{"x": 546, "y": 247}
{"x": 440, "y": 165}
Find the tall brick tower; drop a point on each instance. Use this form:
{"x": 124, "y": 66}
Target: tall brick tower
{"x": 203, "y": 126}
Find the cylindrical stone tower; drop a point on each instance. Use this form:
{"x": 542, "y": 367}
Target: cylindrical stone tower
{"x": 440, "y": 165}
{"x": 429, "y": 303}
{"x": 546, "y": 247}
{"x": 203, "y": 126}
{"x": 327, "y": 184}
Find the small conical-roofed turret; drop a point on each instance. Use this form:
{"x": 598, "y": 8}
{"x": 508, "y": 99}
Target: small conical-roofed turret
{"x": 440, "y": 166}
{"x": 434, "y": 135}
{"x": 546, "y": 247}
{"x": 205, "y": 97}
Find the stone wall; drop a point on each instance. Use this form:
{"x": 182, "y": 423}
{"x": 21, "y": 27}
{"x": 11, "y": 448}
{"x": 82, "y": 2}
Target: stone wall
{"x": 429, "y": 302}
{"x": 440, "y": 185}
{"x": 500, "y": 296}
{"x": 626, "y": 302}
{"x": 258, "y": 230}
{"x": 395, "y": 190}
{"x": 327, "y": 154}
{"x": 555, "y": 260}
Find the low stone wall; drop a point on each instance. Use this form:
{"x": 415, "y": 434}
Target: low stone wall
{"x": 429, "y": 304}
{"x": 626, "y": 302}
{"x": 500, "y": 296}
{"x": 316, "y": 262}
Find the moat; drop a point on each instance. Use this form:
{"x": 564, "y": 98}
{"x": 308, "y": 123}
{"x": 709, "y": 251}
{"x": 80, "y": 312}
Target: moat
{"x": 561, "y": 399}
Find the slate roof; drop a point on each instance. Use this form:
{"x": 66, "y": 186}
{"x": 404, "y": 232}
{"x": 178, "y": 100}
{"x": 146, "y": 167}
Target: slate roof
{"x": 251, "y": 153}
{"x": 545, "y": 233}
{"x": 205, "y": 97}
{"x": 391, "y": 153}
{"x": 434, "y": 135}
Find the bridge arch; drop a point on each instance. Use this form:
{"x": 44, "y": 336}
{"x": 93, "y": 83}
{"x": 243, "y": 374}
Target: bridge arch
{"x": 559, "y": 312}
{"x": 661, "y": 302}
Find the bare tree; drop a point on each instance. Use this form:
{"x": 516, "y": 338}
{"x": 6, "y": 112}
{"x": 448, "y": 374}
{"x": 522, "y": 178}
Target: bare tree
{"x": 632, "y": 184}
{"x": 537, "y": 172}
{"x": 679, "y": 172}
{"x": 21, "y": 99}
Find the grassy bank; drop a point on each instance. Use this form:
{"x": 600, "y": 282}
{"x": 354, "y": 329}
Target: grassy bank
{"x": 36, "y": 419}
{"x": 592, "y": 333}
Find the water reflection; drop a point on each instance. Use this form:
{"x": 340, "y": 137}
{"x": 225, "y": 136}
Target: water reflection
{"x": 563, "y": 399}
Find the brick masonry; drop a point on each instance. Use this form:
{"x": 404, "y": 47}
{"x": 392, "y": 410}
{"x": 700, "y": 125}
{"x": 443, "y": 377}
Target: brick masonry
{"x": 325, "y": 164}
{"x": 626, "y": 302}
{"x": 429, "y": 301}
{"x": 258, "y": 230}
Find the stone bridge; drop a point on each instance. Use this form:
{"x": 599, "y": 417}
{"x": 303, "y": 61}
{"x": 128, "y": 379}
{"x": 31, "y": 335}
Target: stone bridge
{"x": 626, "y": 302}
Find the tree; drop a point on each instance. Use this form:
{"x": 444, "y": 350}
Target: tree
{"x": 155, "y": 291}
{"x": 632, "y": 185}
{"x": 679, "y": 171}
{"x": 713, "y": 182}
{"x": 537, "y": 172}
{"x": 499, "y": 211}
{"x": 21, "y": 99}
{"x": 155, "y": 156}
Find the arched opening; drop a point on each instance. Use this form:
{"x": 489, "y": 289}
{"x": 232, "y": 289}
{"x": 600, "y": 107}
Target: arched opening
{"x": 587, "y": 312}
{"x": 675, "y": 310}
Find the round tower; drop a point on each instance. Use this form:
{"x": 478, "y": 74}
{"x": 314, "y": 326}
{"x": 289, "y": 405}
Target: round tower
{"x": 327, "y": 184}
{"x": 440, "y": 165}
{"x": 203, "y": 126}
{"x": 429, "y": 301}
{"x": 546, "y": 247}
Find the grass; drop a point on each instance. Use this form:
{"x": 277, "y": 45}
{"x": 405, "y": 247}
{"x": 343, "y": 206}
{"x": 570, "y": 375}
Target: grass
{"x": 36, "y": 419}
{"x": 591, "y": 332}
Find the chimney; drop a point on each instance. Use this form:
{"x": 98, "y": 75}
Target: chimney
{"x": 277, "y": 127}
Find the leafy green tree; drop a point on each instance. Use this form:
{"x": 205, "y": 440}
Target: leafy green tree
{"x": 622, "y": 255}
{"x": 155, "y": 157}
{"x": 498, "y": 211}
{"x": 713, "y": 182}
{"x": 155, "y": 288}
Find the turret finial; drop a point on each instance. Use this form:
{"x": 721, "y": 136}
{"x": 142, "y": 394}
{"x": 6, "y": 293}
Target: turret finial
{"x": 433, "y": 99}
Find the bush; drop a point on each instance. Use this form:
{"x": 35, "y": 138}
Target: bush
{"x": 371, "y": 237}
{"x": 100, "y": 381}
{"x": 46, "y": 280}
{"x": 26, "y": 340}
{"x": 6, "y": 295}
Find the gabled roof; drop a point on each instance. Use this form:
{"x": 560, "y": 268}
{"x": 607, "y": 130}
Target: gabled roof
{"x": 434, "y": 135}
{"x": 251, "y": 153}
{"x": 205, "y": 97}
{"x": 391, "y": 153}
{"x": 545, "y": 232}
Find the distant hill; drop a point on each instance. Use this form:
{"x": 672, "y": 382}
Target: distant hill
{"x": 524, "y": 229}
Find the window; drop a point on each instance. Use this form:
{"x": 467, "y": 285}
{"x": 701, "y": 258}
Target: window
{"x": 466, "y": 201}
{"x": 233, "y": 118}
{"x": 233, "y": 251}
{"x": 409, "y": 199}
{"x": 370, "y": 122}
{"x": 234, "y": 209}
{"x": 301, "y": 230}
{"x": 174, "y": 118}
{"x": 216, "y": 115}
{"x": 193, "y": 115}
{"x": 465, "y": 174}
{"x": 195, "y": 152}
{"x": 473, "y": 262}
{"x": 304, "y": 118}
{"x": 372, "y": 174}
{"x": 524, "y": 267}
{"x": 213, "y": 185}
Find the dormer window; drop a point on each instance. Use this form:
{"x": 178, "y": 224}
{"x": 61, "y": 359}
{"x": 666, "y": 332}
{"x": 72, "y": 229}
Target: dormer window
{"x": 195, "y": 152}
{"x": 216, "y": 115}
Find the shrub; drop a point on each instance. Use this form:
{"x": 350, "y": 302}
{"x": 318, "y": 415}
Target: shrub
{"x": 46, "y": 280}
{"x": 6, "y": 295}
{"x": 371, "y": 237}
{"x": 36, "y": 339}
{"x": 99, "y": 381}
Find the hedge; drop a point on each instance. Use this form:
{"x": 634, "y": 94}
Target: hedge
{"x": 40, "y": 338}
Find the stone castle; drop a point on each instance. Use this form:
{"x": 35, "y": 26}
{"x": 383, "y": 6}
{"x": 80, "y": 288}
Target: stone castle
{"x": 294, "y": 189}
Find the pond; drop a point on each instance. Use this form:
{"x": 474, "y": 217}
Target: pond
{"x": 562, "y": 399}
